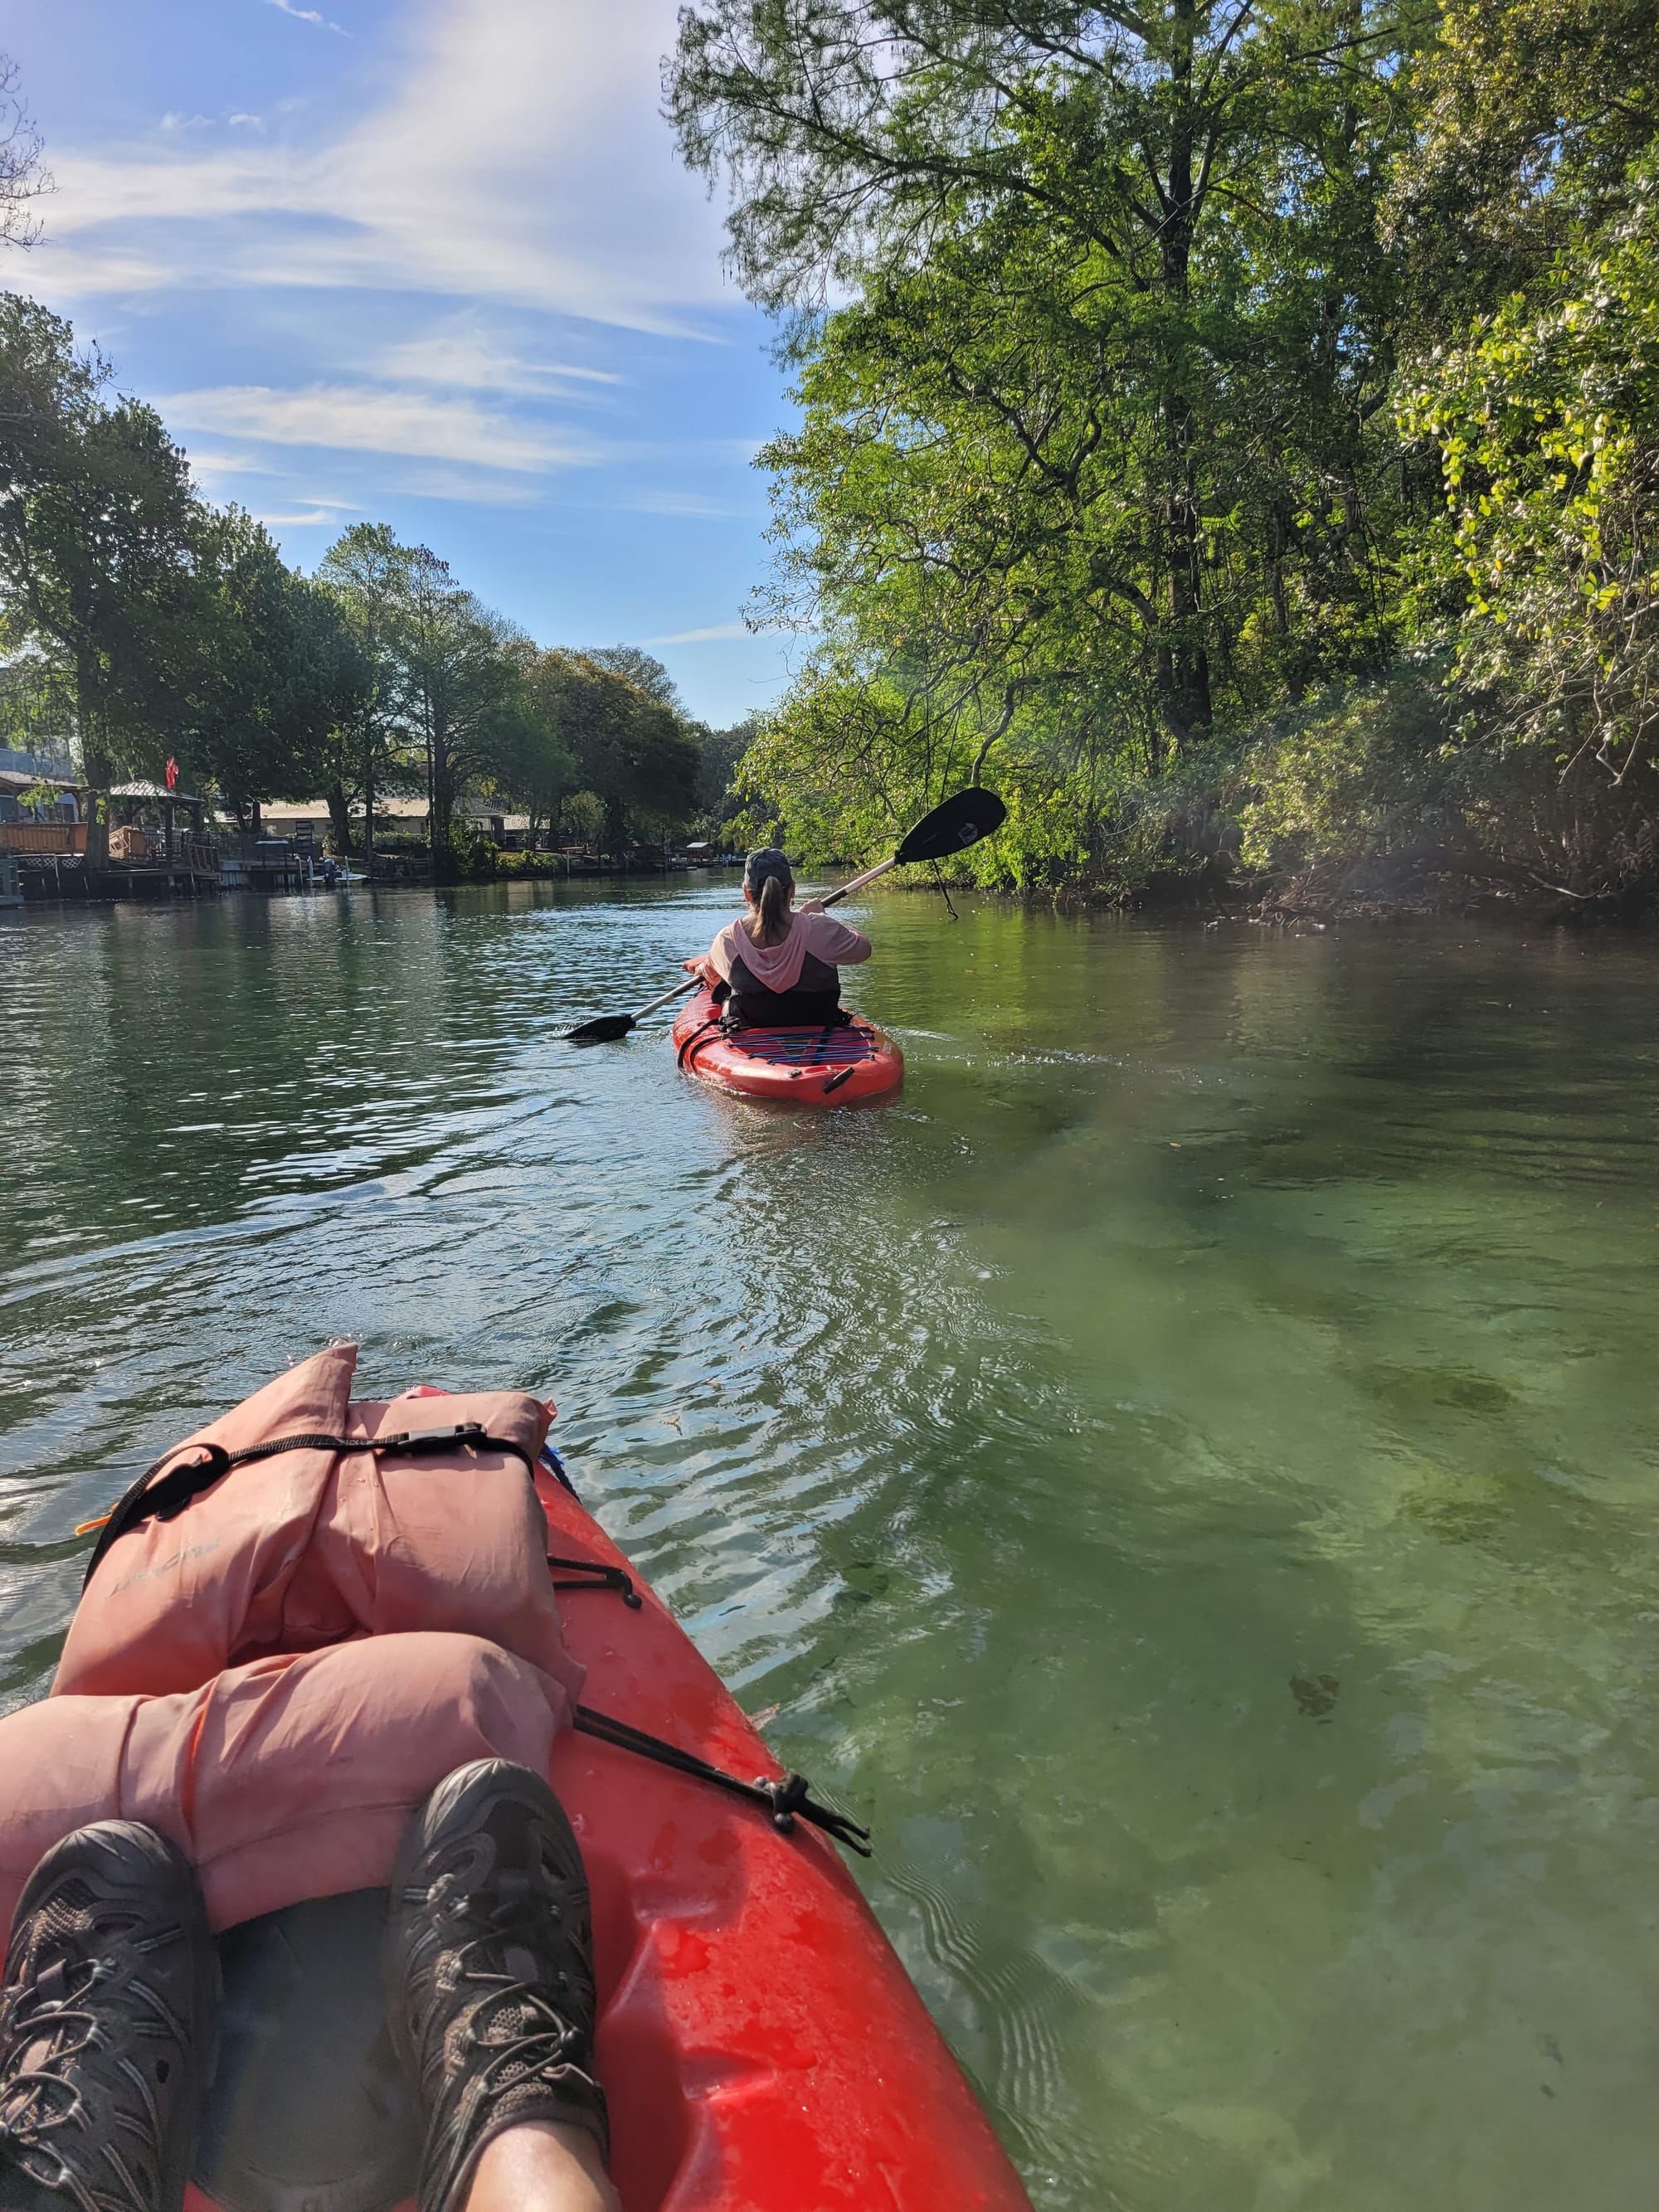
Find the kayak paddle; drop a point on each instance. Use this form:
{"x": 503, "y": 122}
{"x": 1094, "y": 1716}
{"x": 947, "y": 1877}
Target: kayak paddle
{"x": 954, "y": 824}
{"x": 605, "y": 1028}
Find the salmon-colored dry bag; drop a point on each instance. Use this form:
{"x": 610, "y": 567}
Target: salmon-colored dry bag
{"x": 279, "y": 1672}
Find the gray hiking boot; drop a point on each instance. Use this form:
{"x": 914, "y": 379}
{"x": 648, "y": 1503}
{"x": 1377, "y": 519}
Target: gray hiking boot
{"x": 106, "y": 2025}
{"x": 490, "y": 1969}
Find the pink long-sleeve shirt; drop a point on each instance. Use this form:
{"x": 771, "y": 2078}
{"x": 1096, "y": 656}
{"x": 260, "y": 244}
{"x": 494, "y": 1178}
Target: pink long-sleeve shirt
{"x": 778, "y": 967}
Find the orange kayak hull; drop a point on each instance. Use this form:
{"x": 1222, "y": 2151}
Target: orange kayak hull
{"x": 799, "y": 1067}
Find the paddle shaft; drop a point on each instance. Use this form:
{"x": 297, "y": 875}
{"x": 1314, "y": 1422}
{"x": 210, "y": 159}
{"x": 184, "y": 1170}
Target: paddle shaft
{"x": 687, "y": 983}
{"x": 859, "y": 882}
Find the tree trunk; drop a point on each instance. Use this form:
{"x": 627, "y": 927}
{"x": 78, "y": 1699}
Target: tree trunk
{"x": 368, "y": 800}
{"x": 440, "y": 806}
{"x": 339, "y": 820}
{"x": 96, "y": 765}
{"x": 1184, "y": 668}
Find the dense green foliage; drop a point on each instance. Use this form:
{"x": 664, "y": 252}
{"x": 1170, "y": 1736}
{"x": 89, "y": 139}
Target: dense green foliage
{"x": 1190, "y": 393}
{"x": 139, "y": 622}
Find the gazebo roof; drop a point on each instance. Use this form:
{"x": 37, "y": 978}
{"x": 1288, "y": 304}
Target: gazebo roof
{"x": 142, "y": 790}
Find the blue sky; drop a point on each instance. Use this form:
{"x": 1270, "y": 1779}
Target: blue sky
{"x": 432, "y": 263}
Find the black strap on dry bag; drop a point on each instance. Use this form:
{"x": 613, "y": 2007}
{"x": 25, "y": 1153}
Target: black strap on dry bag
{"x": 150, "y": 1500}
{"x": 783, "y": 1800}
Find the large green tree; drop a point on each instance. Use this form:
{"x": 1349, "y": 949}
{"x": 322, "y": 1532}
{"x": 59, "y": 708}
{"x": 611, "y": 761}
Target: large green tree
{"x": 367, "y": 573}
{"x": 269, "y": 670}
{"x": 99, "y": 529}
{"x": 1091, "y": 456}
{"x": 466, "y": 680}
{"x": 633, "y": 752}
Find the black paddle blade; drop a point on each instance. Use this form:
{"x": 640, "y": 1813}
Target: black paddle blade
{"x": 604, "y": 1029}
{"x": 957, "y": 822}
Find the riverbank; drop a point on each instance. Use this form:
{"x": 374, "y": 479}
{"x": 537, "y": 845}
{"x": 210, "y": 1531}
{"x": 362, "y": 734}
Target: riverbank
{"x": 1371, "y": 800}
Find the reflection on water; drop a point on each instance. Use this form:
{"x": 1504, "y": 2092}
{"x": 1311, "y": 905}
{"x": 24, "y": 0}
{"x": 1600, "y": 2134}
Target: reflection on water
{"x": 1186, "y": 1471}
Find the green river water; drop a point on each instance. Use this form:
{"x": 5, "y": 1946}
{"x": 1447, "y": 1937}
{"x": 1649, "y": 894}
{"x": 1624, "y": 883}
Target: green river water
{"x": 1186, "y": 1472}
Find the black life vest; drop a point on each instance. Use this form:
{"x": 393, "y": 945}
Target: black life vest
{"x": 815, "y": 997}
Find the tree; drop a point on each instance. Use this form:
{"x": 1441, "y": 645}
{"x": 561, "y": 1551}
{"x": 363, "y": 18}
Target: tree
{"x": 1096, "y": 416}
{"x": 722, "y": 753}
{"x": 1532, "y": 113}
{"x": 643, "y": 670}
{"x": 465, "y": 679}
{"x": 631, "y": 751}
{"x": 22, "y": 176}
{"x": 529, "y": 765}
{"x": 367, "y": 573}
{"x": 273, "y": 672}
{"x": 98, "y": 526}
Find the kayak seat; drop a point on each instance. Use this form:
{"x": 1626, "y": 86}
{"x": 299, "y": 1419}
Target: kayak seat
{"x": 308, "y": 2111}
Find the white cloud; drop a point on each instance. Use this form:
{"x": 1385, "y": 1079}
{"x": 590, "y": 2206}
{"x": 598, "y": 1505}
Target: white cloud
{"x": 325, "y": 514}
{"x": 309, "y": 15}
{"x": 519, "y": 158}
{"x": 93, "y": 272}
{"x": 359, "y": 418}
{"x": 228, "y": 464}
{"x": 246, "y": 122}
{"x": 716, "y": 634}
{"x": 686, "y": 505}
{"x": 472, "y": 488}
{"x": 460, "y": 355}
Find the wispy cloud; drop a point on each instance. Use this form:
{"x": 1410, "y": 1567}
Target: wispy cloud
{"x": 309, "y": 15}
{"x": 462, "y": 355}
{"x": 228, "y": 464}
{"x": 325, "y": 514}
{"x": 518, "y": 158}
{"x": 359, "y": 418}
{"x": 687, "y": 506}
{"x": 468, "y": 487}
{"x": 716, "y": 634}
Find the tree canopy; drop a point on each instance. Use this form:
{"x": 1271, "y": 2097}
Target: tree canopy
{"x": 1153, "y": 370}
{"x": 149, "y": 622}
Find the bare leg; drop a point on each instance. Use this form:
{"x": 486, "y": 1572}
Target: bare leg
{"x": 541, "y": 2167}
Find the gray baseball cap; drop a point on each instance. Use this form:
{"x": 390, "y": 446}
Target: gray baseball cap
{"x": 767, "y": 861}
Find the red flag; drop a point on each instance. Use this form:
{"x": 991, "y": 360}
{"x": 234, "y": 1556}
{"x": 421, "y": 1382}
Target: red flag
{"x": 172, "y": 771}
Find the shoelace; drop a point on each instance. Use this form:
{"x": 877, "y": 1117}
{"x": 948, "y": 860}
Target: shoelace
{"x": 43, "y": 2012}
{"x": 508, "y": 1921}
{"x": 37, "y": 2101}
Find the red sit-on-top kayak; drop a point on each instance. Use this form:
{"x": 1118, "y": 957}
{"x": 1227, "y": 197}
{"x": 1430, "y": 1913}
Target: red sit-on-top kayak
{"x": 808, "y": 1067}
{"x": 761, "y": 2048}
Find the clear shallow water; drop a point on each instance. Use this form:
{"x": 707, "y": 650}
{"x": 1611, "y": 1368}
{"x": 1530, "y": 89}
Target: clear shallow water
{"x": 1187, "y": 1470}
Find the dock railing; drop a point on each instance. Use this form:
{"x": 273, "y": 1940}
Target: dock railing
{"x": 53, "y": 839}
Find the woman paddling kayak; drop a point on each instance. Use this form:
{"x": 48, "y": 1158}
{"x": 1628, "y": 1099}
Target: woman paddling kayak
{"x": 778, "y": 965}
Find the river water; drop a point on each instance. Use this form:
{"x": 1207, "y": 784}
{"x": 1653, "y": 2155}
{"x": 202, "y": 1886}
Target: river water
{"x": 1186, "y": 1472}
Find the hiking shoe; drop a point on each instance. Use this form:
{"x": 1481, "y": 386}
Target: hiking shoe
{"x": 107, "y": 2020}
{"x": 490, "y": 1969}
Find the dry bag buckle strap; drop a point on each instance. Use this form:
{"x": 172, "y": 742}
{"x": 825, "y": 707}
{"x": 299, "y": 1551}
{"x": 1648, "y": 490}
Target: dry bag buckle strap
{"x": 594, "y": 1575}
{"x": 784, "y": 1800}
{"x": 150, "y": 1500}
